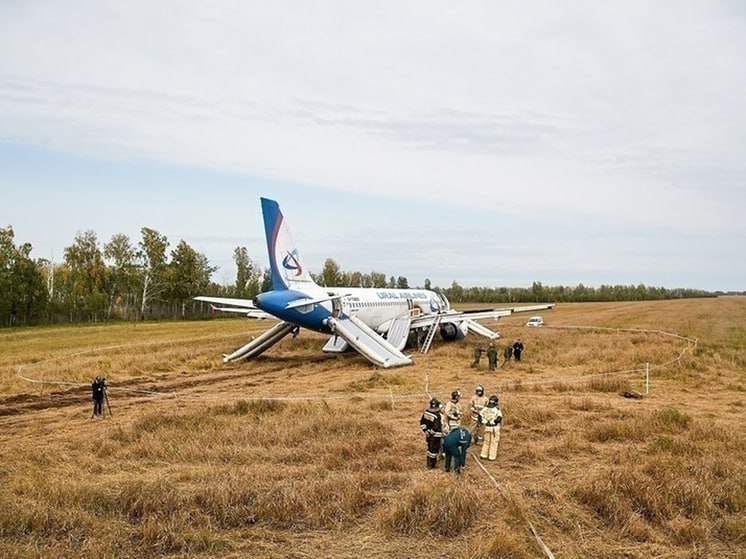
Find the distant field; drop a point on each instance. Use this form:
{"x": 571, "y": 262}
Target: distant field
{"x": 194, "y": 463}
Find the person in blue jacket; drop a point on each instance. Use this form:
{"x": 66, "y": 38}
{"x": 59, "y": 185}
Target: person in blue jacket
{"x": 455, "y": 444}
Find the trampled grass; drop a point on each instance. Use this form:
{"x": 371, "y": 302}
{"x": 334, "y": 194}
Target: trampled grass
{"x": 203, "y": 460}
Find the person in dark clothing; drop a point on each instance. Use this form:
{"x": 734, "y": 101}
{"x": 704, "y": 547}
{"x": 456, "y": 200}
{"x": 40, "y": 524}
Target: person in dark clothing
{"x": 507, "y": 353}
{"x": 455, "y": 444}
{"x": 517, "y": 349}
{"x": 97, "y": 388}
{"x": 477, "y": 355}
{"x": 431, "y": 424}
{"x": 492, "y": 356}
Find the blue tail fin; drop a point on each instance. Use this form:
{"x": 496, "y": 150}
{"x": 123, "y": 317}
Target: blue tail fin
{"x": 284, "y": 259}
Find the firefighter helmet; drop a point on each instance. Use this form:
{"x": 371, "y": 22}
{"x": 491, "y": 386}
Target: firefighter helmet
{"x": 493, "y": 401}
{"x": 480, "y": 390}
{"x": 455, "y": 395}
{"x": 434, "y": 403}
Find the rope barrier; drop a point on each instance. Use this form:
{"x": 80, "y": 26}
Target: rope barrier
{"x": 538, "y": 539}
{"x": 186, "y": 397}
{"x": 691, "y": 342}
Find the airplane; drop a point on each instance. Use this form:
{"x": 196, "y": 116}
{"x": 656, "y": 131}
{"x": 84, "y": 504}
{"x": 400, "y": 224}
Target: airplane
{"x": 376, "y": 322}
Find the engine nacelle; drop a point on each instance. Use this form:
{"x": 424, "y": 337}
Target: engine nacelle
{"x": 451, "y": 331}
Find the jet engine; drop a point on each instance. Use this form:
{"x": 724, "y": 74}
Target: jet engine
{"x": 450, "y": 331}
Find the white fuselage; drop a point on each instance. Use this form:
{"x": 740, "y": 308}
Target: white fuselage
{"x": 378, "y": 307}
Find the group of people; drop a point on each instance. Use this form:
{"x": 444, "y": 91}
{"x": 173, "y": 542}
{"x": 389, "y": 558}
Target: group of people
{"x": 511, "y": 351}
{"x": 445, "y": 434}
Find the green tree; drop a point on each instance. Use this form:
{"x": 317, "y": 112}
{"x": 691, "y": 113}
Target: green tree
{"x": 538, "y": 291}
{"x": 152, "y": 255}
{"x": 123, "y": 274}
{"x": 402, "y": 283}
{"x": 330, "y": 275}
{"x": 378, "y": 279}
{"x": 23, "y": 293}
{"x": 87, "y": 278}
{"x": 267, "y": 281}
{"x": 7, "y": 255}
{"x": 188, "y": 274}
{"x": 248, "y": 274}
{"x": 356, "y": 279}
{"x": 29, "y": 287}
{"x": 455, "y": 293}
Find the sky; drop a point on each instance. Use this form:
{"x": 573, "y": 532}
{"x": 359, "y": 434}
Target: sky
{"x": 488, "y": 143}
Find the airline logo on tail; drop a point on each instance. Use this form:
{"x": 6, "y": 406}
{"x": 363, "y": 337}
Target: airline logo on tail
{"x": 291, "y": 262}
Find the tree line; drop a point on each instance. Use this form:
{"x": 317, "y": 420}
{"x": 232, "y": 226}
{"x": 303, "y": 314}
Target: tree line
{"x": 139, "y": 280}
{"x": 121, "y": 279}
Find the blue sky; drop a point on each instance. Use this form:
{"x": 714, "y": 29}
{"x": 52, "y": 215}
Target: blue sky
{"x": 488, "y": 143}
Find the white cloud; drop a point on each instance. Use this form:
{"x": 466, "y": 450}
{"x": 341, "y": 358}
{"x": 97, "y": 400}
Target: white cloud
{"x": 626, "y": 113}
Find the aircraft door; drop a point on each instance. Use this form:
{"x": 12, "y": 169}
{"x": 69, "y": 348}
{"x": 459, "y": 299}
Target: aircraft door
{"x": 444, "y": 304}
{"x": 337, "y": 308}
{"x": 414, "y": 310}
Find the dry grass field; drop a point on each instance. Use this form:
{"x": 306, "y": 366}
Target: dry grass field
{"x": 196, "y": 461}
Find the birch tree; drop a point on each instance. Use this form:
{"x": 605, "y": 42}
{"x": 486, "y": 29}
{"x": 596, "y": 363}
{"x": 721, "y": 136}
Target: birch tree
{"x": 123, "y": 273}
{"x": 87, "y": 277}
{"x": 152, "y": 256}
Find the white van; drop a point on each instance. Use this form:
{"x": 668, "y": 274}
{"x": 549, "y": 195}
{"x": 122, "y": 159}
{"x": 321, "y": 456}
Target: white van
{"x": 535, "y": 321}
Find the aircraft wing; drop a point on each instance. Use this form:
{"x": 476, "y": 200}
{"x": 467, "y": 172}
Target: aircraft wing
{"x": 529, "y": 308}
{"x": 240, "y": 306}
{"x": 505, "y": 311}
{"x": 471, "y": 316}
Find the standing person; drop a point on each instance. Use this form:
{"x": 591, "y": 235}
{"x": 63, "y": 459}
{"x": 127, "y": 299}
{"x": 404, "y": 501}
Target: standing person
{"x": 97, "y": 388}
{"x": 518, "y": 349}
{"x": 432, "y": 425}
{"x": 477, "y": 402}
{"x": 477, "y": 355}
{"x": 453, "y": 411}
{"x": 491, "y": 416}
{"x": 456, "y": 443}
{"x": 492, "y": 356}
{"x": 507, "y": 353}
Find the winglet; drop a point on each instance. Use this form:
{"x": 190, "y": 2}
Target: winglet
{"x": 285, "y": 262}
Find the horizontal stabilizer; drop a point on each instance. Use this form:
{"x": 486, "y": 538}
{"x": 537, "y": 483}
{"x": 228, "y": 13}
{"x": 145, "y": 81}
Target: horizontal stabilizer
{"x": 305, "y": 302}
{"x": 262, "y": 343}
{"x": 367, "y": 342}
{"x": 239, "y": 306}
{"x": 228, "y": 301}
